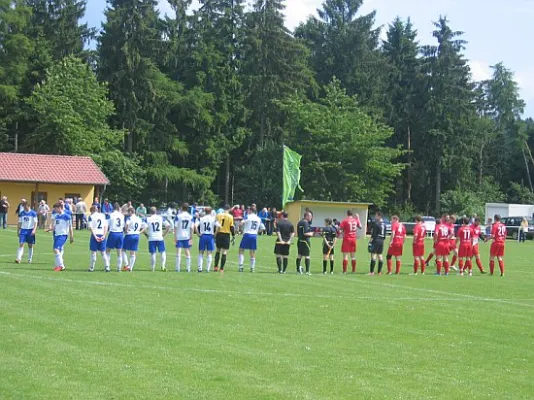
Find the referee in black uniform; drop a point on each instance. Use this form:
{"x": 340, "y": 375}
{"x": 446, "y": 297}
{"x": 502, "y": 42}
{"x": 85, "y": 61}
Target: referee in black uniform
{"x": 304, "y": 232}
{"x": 330, "y": 237}
{"x": 285, "y": 232}
{"x": 376, "y": 244}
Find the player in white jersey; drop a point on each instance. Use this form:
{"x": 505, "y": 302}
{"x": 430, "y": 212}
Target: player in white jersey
{"x": 61, "y": 225}
{"x": 156, "y": 229}
{"x": 116, "y": 234}
{"x": 252, "y": 225}
{"x": 132, "y": 227}
{"x": 98, "y": 226}
{"x": 206, "y": 230}
{"x": 26, "y": 231}
{"x": 183, "y": 236}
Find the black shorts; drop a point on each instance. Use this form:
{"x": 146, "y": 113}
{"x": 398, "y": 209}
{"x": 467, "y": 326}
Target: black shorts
{"x": 222, "y": 241}
{"x": 378, "y": 247}
{"x": 281, "y": 249}
{"x": 303, "y": 248}
{"x": 326, "y": 249}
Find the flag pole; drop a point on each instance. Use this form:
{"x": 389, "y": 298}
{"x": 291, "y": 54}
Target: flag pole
{"x": 283, "y": 152}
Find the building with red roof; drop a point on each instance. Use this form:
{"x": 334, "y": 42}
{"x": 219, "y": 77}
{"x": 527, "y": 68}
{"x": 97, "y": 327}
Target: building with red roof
{"x": 47, "y": 177}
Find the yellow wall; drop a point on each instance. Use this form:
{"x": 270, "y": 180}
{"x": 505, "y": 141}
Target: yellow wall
{"x": 322, "y": 210}
{"x": 15, "y": 191}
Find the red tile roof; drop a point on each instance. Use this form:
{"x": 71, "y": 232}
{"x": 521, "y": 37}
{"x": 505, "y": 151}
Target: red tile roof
{"x": 44, "y": 168}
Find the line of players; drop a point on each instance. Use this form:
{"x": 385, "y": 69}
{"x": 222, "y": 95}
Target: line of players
{"x": 463, "y": 246}
{"x": 122, "y": 233}
{"x": 115, "y": 231}
{"x": 216, "y": 233}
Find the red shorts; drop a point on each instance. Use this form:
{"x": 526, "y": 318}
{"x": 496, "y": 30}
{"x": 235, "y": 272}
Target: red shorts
{"x": 348, "y": 246}
{"x": 418, "y": 250}
{"x": 465, "y": 251}
{"x": 442, "y": 249}
{"x": 395, "y": 250}
{"x": 476, "y": 252}
{"x": 497, "y": 249}
{"x": 452, "y": 245}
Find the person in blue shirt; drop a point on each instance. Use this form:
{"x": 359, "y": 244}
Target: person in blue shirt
{"x": 264, "y": 216}
{"x": 107, "y": 207}
{"x": 193, "y": 212}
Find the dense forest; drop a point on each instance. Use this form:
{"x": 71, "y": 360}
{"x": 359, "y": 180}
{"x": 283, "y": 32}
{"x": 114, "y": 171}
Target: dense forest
{"x": 197, "y": 105}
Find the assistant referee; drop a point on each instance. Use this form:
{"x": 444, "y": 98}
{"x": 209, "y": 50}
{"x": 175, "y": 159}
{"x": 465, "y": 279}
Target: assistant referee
{"x": 304, "y": 232}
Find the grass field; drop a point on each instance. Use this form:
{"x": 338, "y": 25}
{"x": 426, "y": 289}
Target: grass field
{"x": 144, "y": 335}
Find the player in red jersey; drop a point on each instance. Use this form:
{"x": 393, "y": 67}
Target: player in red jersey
{"x": 442, "y": 237}
{"x": 498, "y": 235}
{"x": 418, "y": 249}
{"x": 349, "y": 227}
{"x": 465, "y": 252}
{"x": 398, "y": 237}
{"x": 452, "y": 242}
{"x": 477, "y": 234}
{"x": 433, "y": 252}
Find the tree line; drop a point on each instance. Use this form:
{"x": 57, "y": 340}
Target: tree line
{"x": 196, "y": 105}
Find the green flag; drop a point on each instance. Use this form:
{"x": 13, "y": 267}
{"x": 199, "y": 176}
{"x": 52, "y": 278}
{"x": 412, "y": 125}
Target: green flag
{"x": 291, "y": 175}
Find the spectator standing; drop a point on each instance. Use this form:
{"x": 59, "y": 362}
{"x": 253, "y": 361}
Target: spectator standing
{"x": 20, "y": 208}
{"x": 43, "y": 214}
{"x": 96, "y": 203}
{"x": 523, "y": 230}
{"x": 125, "y": 207}
{"x": 237, "y": 212}
{"x": 193, "y": 212}
{"x": 4, "y": 208}
{"x": 81, "y": 210}
{"x": 107, "y": 208}
{"x": 141, "y": 211}
{"x": 264, "y": 217}
{"x": 274, "y": 221}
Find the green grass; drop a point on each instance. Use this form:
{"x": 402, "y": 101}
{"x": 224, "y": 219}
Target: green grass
{"x": 144, "y": 335}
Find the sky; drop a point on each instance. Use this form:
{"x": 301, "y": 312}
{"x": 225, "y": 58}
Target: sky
{"x": 495, "y": 31}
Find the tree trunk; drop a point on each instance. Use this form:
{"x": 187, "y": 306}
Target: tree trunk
{"x": 480, "y": 165}
{"x": 528, "y": 170}
{"x": 227, "y": 180}
{"x": 262, "y": 130}
{"x": 129, "y": 142}
{"x": 409, "y": 169}
{"x": 438, "y": 185}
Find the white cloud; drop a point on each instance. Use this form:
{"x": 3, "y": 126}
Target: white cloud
{"x": 164, "y": 7}
{"x": 525, "y": 80}
{"x": 480, "y": 70}
{"x": 299, "y": 10}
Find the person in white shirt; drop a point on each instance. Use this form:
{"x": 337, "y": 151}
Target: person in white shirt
{"x": 26, "y": 232}
{"x": 170, "y": 215}
{"x": 61, "y": 225}
{"x": 156, "y": 229}
{"x": 183, "y": 236}
{"x": 252, "y": 225}
{"x": 80, "y": 211}
{"x": 116, "y": 234}
{"x": 206, "y": 230}
{"x": 132, "y": 227}
{"x": 43, "y": 214}
{"x": 98, "y": 226}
